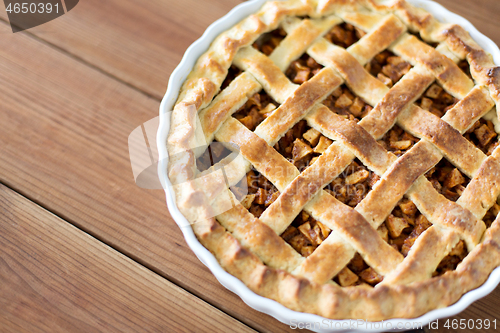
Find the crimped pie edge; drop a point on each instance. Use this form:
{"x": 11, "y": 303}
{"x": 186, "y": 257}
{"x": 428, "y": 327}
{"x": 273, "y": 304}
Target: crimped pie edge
{"x": 385, "y": 294}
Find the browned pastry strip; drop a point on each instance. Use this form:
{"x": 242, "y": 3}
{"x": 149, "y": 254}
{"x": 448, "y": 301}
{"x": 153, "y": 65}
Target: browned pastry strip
{"x": 357, "y": 78}
{"x": 440, "y": 211}
{"x": 417, "y": 20}
{"x": 254, "y": 149}
{"x": 468, "y": 110}
{"x": 272, "y": 79}
{"x": 378, "y": 39}
{"x": 322, "y": 265}
{"x": 482, "y": 67}
{"x": 448, "y": 140}
{"x": 483, "y": 190}
{"x": 226, "y": 103}
{"x": 300, "y": 37}
{"x": 402, "y": 95}
{"x": 445, "y": 70}
{"x": 263, "y": 241}
{"x": 361, "y": 235}
{"x": 326, "y": 7}
{"x": 362, "y": 19}
{"x": 301, "y": 190}
{"x": 183, "y": 139}
{"x": 379, "y": 202}
{"x": 360, "y": 142}
{"x": 298, "y": 105}
{"x": 424, "y": 257}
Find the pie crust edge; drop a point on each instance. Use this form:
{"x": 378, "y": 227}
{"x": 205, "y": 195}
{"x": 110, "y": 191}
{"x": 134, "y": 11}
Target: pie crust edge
{"x": 383, "y": 302}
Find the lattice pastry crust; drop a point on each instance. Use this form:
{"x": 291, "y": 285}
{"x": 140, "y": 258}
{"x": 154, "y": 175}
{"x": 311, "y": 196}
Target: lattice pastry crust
{"x": 251, "y": 248}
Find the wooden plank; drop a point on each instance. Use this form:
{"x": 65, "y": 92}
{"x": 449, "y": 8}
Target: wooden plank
{"x": 140, "y": 42}
{"x": 56, "y": 278}
{"x": 63, "y": 142}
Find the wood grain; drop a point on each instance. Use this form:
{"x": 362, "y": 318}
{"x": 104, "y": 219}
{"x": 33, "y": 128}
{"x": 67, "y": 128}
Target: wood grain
{"x": 63, "y": 143}
{"x": 139, "y": 42}
{"x": 56, "y": 278}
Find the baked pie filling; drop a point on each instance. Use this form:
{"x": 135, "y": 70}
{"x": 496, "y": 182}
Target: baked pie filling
{"x": 305, "y": 146}
{"x": 302, "y": 145}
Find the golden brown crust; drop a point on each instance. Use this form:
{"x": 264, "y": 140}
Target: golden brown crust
{"x": 303, "y": 188}
{"x": 444, "y": 69}
{"x": 483, "y": 69}
{"x": 397, "y": 181}
{"x": 388, "y": 31}
{"x": 447, "y": 139}
{"x": 424, "y": 257}
{"x": 263, "y": 241}
{"x": 251, "y": 248}
{"x": 468, "y": 110}
{"x": 354, "y": 137}
{"x": 333, "y": 256}
{"x": 298, "y": 105}
{"x": 302, "y": 34}
{"x": 483, "y": 190}
{"x": 351, "y": 225}
{"x": 226, "y": 103}
{"x": 403, "y": 94}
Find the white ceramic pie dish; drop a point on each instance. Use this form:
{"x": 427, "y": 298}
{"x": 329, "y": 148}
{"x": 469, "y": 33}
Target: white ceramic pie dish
{"x": 255, "y": 301}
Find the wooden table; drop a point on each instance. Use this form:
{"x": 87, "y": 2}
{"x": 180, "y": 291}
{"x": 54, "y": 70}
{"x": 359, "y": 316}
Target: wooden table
{"x": 82, "y": 248}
